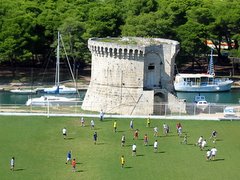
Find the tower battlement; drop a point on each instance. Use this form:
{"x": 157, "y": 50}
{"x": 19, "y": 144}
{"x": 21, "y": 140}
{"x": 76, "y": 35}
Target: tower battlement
{"x": 127, "y": 71}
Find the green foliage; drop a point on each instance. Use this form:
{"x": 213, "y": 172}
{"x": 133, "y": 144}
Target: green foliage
{"x": 28, "y": 28}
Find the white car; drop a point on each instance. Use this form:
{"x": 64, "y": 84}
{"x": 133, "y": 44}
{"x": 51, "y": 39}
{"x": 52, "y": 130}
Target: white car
{"x": 229, "y": 111}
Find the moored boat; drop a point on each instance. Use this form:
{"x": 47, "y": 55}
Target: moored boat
{"x": 51, "y": 101}
{"x": 202, "y": 82}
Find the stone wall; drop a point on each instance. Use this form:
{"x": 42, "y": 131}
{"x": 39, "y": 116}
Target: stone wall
{"x": 125, "y": 72}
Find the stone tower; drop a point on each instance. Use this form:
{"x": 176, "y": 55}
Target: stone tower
{"x": 130, "y": 74}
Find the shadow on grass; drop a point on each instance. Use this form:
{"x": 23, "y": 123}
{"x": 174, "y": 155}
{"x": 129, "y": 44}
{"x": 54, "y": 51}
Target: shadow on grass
{"x": 191, "y": 144}
{"x": 161, "y": 152}
{"x": 219, "y": 140}
{"x": 128, "y": 167}
{"x": 100, "y": 143}
{"x": 19, "y": 169}
{"x": 79, "y": 171}
{"x": 69, "y": 138}
{"x": 219, "y": 159}
{"x": 121, "y": 131}
{"x": 169, "y": 135}
{"x": 140, "y": 155}
{"x": 78, "y": 163}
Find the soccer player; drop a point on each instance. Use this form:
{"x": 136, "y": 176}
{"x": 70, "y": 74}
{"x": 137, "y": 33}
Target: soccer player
{"x": 82, "y": 122}
{"x": 213, "y": 153}
{"x": 123, "y": 140}
{"x": 165, "y": 129}
{"x": 12, "y": 164}
{"x": 214, "y": 136}
{"x": 115, "y": 126}
{"x": 199, "y": 142}
{"x": 184, "y": 139}
{"x": 69, "y": 156}
{"x": 101, "y": 114}
{"x": 122, "y": 161}
{"x": 155, "y": 146}
{"x": 155, "y": 129}
{"x": 148, "y": 122}
{"x": 145, "y": 140}
{"x": 92, "y": 124}
{"x": 134, "y": 150}
{"x": 131, "y": 124}
{"x": 95, "y": 137}
{"x": 203, "y": 144}
{"x": 64, "y": 132}
{"x": 135, "y": 134}
{"x": 74, "y": 165}
{"x": 208, "y": 154}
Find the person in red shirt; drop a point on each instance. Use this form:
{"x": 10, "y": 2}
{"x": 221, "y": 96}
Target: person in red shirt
{"x": 74, "y": 165}
{"x": 145, "y": 140}
{"x": 136, "y": 134}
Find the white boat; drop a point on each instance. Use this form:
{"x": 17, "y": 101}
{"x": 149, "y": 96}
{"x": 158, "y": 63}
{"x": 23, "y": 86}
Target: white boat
{"x": 57, "y": 88}
{"x": 24, "y": 91}
{"x": 201, "y": 102}
{"x": 51, "y": 101}
{"x": 202, "y": 82}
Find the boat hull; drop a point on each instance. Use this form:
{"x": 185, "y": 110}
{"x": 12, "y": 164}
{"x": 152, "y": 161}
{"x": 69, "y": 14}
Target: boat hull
{"x": 52, "y": 101}
{"x": 204, "y": 88}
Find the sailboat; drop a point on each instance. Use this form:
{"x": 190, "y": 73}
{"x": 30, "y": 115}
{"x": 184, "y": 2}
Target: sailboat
{"x": 202, "y": 82}
{"x": 57, "y": 88}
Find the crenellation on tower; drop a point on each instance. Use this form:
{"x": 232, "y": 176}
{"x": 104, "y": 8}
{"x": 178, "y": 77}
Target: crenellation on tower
{"x": 126, "y": 72}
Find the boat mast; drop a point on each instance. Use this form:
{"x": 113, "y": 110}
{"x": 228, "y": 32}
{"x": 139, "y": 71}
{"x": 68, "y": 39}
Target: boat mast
{"x": 211, "y": 65}
{"x": 57, "y": 62}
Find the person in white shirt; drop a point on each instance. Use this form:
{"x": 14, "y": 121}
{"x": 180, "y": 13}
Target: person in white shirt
{"x": 82, "y": 122}
{"x": 101, "y": 114}
{"x": 155, "y": 131}
{"x": 12, "y": 164}
{"x": 123, "y": 140}
{"x": 92, "y": 124}
{"x": 155, "y": 146}
{"x": 199, "y": 142}
{"x": 64, "y": 132}
{"x": 213, "y": 153}
{"x": 134, "y": 150}
{"x": 203, "y": 144}
{"x": 208, "y": 154}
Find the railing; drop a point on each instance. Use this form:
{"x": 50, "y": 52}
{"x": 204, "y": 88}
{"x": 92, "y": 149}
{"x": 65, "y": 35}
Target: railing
{"x": 160, "y": 109}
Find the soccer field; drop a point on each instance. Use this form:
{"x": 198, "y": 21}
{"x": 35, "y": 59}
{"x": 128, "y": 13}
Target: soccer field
{"x": 40, "y": 150}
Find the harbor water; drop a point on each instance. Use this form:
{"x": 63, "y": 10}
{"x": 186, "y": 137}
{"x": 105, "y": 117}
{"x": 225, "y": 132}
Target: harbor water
{"x": 230, "y": 97}
{"x": 8, "y": 98}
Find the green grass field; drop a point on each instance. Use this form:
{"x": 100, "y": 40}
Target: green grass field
{"x": 40, "y": 150}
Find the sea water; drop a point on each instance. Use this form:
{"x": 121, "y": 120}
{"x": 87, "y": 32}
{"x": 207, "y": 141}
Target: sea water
{"x": 8, "y": 98}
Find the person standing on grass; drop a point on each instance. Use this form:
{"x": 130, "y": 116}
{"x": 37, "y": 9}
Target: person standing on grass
{"x": 82, "y": 122}
{"x": 135, "y": 134}
{"x": 214, "y": 136}
{"x": 208, "y": 154}
{"x": 122, "y": 161}
{"x": 74, "y": 165}
{"x": 155, "y": 129}
{"x": 69, "y": 156}
{"x": 184, "y": 139}
{"x": 123, "y": 140}
{"x": 213, "y": 153}
{"x": 148, "y": 122}
{"x": 131, "y": 124}
{"x": 101, "y": 114}
{"x": 12, "y": 164}
{"x": 155, "y": 146}
{"x": 199, "y": 142}
{"x": 92, "y": 124}
{"x": 145, "y": 140}
{"x": 203, "y": 144}
{"x": 178, "y": 126}
{"x": 115, "y": 126}
{"x": 95, "y": 137}
{"x": 165, "y": 129}
{"x": 64, "y": 132}
{"x": 134, "y": 149}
